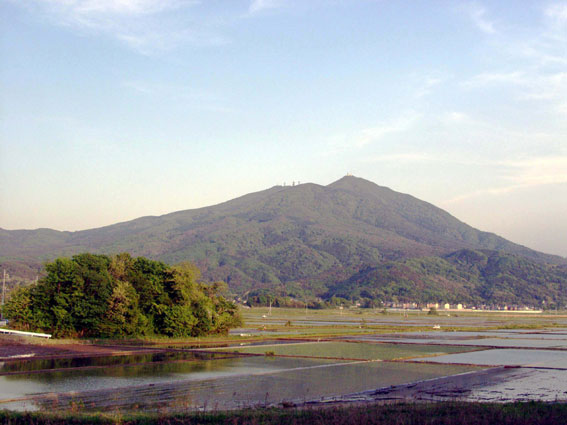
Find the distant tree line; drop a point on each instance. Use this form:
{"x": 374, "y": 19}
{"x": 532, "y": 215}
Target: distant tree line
{"x": 114, "y": 296}
{"x": 272, "y": 297}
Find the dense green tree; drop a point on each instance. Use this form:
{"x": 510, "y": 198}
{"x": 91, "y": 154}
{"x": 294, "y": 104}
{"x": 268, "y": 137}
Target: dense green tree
{"x": 91, "y": 293}
{"x": 123, "y": 316}
{"x": 97, "y": 295}
{"x": 18, "y": 309}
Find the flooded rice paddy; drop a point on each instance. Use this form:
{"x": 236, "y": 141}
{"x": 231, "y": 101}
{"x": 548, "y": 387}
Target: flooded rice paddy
{"x": 350, "y": 350}
{"x": 476, "y": 339}
{"x": 484, "y": 365}
{"x": 235, "y": 383}
{"x": 506, "y": 357}
{"x": 31, "y": 365}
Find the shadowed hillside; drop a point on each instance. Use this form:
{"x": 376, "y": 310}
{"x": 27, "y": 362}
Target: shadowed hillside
{"x": 465, "y": 276}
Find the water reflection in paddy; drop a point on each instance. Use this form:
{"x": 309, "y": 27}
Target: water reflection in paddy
{"x": 30, "y": 365}
{"x": 14, "y": 386}
{"x": 257, "y": 381}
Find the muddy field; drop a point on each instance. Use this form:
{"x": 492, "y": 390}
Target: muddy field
{"x": 12, "y": 348}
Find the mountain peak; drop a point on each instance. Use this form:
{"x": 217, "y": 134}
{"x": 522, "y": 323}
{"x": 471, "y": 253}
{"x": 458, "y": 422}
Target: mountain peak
{"x": 346, "y": 178}
{"x": 356, "y": 184}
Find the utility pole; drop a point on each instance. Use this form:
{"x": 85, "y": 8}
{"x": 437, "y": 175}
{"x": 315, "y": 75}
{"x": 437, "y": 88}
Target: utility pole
{"x": 3, "y": 294}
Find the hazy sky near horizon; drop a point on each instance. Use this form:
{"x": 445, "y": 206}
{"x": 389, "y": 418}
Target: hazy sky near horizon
{"x": 115, "y": 109}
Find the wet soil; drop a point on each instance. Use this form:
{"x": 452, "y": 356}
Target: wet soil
{"x": 16, "y": 349}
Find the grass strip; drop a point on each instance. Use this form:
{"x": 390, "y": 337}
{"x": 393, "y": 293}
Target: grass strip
{"x": 444, "y": 413}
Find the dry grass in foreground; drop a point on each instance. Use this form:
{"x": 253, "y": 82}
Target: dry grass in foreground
{"x": 447, "y": 413}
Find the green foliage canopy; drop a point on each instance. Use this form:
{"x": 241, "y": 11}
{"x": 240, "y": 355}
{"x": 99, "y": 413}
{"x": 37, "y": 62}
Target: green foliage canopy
{"x": 101, "y": 296}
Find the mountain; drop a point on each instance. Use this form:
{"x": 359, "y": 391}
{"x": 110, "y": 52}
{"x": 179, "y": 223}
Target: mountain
{"x": 296, "y": 238}
{"x": 466, "y": 276}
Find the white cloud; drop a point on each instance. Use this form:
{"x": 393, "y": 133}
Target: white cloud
{"x": 373, "y": 134}
{"x": 257, "y": 6}
{"x": 546, "y": 48}
{"x": 341, "y": 143}
{"x": 534, "y": 60}
{"x": 537, "y": 171}
{"x": 477, "y": 14}
{"x": 534, "y": 85}
{"x": 492, "y": 191}
{"x": 127, "y": 7}
{"x": 171, "y": 91}
{"x": 557, "y": 15}
{"x": 139, "y": 87}
{"x": 456, "y": 117}
{"x": 191, "y": 97}
{"x": 88, "y": 9}
{"x": 521, "y": 174}
{"x": 546, "y": 87}
{"x": 427, "y": 86}
{"x": 491, "y": 78}
{"x": 143, "y": 25}
{"x": 562, "y": 109}
{"x": 405, "y": 158}
{"x": 543, "y": 54}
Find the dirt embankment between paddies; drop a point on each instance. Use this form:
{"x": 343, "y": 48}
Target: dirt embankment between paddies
{"x": 16, "y": 348}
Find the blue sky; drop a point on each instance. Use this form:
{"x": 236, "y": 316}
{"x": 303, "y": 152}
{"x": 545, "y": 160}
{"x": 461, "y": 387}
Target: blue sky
{"x": 115, "y": 109}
